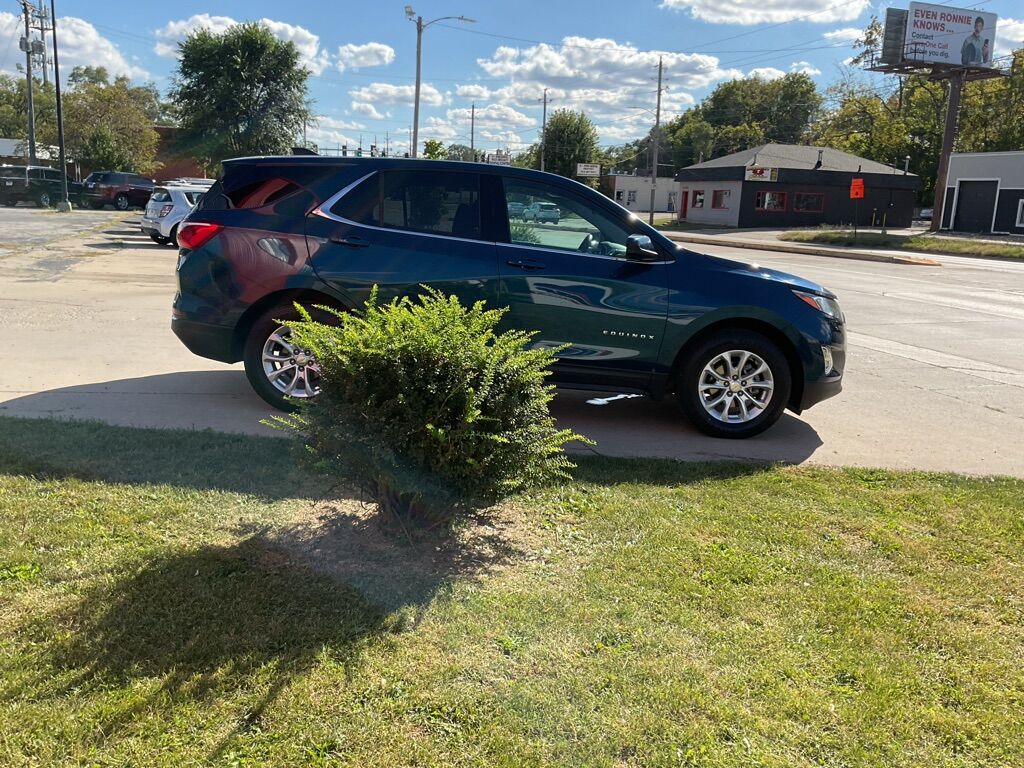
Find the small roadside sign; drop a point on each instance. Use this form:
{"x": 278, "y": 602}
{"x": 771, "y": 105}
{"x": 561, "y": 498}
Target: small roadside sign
{"x": 857, "y": 189}
{"x": 588, "y": 169}
{"x": 498, "y": 159}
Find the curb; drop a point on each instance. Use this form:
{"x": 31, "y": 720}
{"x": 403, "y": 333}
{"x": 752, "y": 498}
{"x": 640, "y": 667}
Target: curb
{"x": 918, "y": 261}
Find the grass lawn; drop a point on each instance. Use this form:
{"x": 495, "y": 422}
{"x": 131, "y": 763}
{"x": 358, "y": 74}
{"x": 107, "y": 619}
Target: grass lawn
{"x": 923, "y": 243}
{"x": 191, "y": 599}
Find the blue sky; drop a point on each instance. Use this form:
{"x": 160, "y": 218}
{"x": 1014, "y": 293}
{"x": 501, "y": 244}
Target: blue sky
{"x": 595, "y": 55}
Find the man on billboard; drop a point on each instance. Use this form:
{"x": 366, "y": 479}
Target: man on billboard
{"x": 975, "y": 51}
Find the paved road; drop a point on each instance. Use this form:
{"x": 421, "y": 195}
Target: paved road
{"x": 934, "y": 380}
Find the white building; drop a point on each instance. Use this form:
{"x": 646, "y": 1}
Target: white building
{"x": 985, "y": 193}
{"x": 634, "y": 192}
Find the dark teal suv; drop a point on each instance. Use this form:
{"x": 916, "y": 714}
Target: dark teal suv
{"x": 734, "y": 343}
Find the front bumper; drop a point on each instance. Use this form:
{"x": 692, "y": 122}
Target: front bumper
{"x": 827, "y": 385}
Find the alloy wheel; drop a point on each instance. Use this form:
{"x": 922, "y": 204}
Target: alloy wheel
{"x": 736, "y": 386}
{"x": 290, "y": 370}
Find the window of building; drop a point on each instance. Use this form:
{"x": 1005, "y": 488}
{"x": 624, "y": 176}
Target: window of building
{"x": 809, "y": 202}
{"x": 1020, "y": 213}
{"x": 720, "y": 198}
{"x": 698, "y": 199}
{"x": 770, "y": 201}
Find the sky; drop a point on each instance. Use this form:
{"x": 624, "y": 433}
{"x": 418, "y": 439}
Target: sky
{"x": 596, "y": 55}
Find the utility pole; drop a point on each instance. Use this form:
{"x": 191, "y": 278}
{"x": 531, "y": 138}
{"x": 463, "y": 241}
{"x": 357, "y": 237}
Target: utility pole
{"x": 657, "y": 138}
{"x": 472, "y": 132}
{"x": 956, "y": 85}
{"x": 64, "y": 205}
{"x": 544, "y": 129}
{"x": 42, "y": 25}
{"x": 27, "y": 9}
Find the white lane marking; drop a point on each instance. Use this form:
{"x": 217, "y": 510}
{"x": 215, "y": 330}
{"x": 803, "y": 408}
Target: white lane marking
{"x": 1003, "y": 306}
{"x": 977, "y": 368}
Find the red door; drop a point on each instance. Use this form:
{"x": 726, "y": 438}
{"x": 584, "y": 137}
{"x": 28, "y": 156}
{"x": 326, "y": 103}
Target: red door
{"x": 684, "y": 197}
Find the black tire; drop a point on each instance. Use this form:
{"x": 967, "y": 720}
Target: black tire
{"x": 121, "y": 202}
{"x": 692, "y": 375}
{"x": 158, "y": 239}
{"x": 258, "y": 335}
{"x": 10, "y": 203}
{"x": 44, "y": 200}
{"x": 96, "y": 206}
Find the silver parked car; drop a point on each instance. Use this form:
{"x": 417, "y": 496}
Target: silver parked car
{"x": 168, "y": 205}
{"x": 542, "y": 212}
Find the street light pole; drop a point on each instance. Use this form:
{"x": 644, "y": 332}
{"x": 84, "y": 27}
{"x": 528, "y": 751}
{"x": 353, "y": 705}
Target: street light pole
{"x": 420, "y": 26}
{"x": 27, "y": 9}
{"x": 65, "y": 203}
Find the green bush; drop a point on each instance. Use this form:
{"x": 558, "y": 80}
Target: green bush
{"x": 427, "y": 408}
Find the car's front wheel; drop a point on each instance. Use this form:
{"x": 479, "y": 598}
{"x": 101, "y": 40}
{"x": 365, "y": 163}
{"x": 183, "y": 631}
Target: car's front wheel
{"x": 44, "y": 200}
{"x": 735, "y": 384}
{"x": 281, "y": 372}
{"x": 121, "y": 202}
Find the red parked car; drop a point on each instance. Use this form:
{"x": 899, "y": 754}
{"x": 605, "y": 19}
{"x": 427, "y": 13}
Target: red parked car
{"x": 121, "y": 190}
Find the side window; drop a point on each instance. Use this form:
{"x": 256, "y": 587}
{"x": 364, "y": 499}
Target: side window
{"x": 546, "y": 216}
{"x": 441, "y": 202}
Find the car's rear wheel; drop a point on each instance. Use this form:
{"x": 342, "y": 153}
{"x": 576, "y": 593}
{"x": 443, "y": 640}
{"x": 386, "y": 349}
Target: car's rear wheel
{"x": 44, "y": 200}
{"x": 95, "y": 205}
{"x": 735, "y": 384}
{"x": 172, "y": 239}
{"x": 121, "y": 202}
{"x": 279, "y": 371}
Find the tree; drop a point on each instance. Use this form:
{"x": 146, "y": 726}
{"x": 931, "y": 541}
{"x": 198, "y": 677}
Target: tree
{"x": 110, "y": 125}
{"x": 86, "y": 75}
{"x": 462, "y": 152}
{"x": 434, "y": 150}
{"x": 239, "y": 92}
{"x": 569, "y": 138}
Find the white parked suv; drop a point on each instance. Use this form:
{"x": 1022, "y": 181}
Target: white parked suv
{"x": 168, "y": 205}
{"x": 542, "y": 212}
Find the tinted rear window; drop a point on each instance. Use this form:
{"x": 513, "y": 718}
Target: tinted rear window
{"x": 442, "y": 202}
{"x": 160, "y": 196}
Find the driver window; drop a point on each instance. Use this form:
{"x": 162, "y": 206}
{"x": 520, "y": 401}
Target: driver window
{"x": 550, "y": 218}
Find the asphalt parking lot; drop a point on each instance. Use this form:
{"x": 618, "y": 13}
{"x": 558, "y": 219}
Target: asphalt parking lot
{"x": 935, "y": 377}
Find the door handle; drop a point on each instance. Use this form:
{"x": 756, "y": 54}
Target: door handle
{"x": 527, "y": 264}
{"x": 351, "y": 242}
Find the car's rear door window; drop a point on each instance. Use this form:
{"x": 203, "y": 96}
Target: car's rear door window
{"x": 435, "y": 202}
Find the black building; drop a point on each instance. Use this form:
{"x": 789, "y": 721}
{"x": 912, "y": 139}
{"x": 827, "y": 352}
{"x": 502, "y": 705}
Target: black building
{"x": 785, "y": 185}
{"x": 985, "y": 193}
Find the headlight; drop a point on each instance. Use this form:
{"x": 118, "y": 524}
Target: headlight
{"x": 822, "y": 303}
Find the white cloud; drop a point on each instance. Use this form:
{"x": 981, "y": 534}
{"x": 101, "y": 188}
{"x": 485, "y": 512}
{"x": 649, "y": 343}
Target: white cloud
{"x": 441, "y": 130}
{"x": 388, "y": 94}
{"x": 492, "y": 116}
{"x": 1009, "y": 36}
{"x": 473, "y": 91}
{"x": 366, "y": 55}
{"x": 804, "y": 68}
{"x": 766, "y": 73}
{"x": 366, "y": 109}
{"x": 501, "y": 137}
{"x": 749, "y": 12}
{"x": 845, "y": 35}
{"x": 333, "y": 123}
{"x": 311, "y": 55}
{"x": 79, "y": 42}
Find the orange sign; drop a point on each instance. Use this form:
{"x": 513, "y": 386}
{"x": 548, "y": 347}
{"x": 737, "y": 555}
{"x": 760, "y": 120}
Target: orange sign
{"x": 857, "y": 189}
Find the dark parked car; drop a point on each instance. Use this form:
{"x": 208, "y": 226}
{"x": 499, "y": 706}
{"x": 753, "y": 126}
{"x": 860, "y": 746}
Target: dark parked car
{"x": 121, "y": 190}
{"x": 734, "y": 343}
{"x": 37, "y": 184}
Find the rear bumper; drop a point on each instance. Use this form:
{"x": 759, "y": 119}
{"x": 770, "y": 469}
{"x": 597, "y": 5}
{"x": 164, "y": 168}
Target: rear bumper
{"x": 154, "y": 227}
{"x": 215, "y": 342}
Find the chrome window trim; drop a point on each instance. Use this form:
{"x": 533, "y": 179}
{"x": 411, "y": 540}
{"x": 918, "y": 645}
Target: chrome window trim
{"x": 582, "y": 255}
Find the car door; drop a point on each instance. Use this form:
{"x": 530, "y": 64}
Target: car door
{"x": 400, "y": 229}
{"x": 573, "y": 284}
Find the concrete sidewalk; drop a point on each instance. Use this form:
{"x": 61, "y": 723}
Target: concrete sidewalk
{"x": 767, "y": 240}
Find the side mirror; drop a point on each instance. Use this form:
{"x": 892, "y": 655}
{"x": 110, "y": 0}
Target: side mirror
{"x": 640, "y": 248}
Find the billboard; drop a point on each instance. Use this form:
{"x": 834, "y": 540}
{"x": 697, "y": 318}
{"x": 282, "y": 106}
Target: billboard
{"x": 757, "y": 173}
{"x": 588, "y": 169}
{"x": 938, "y": 34}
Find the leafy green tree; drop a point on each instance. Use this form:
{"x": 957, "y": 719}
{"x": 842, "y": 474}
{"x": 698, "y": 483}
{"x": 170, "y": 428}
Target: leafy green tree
{"x": 14, "y": 109}
{"x": 88, "y": 75}
{"x": 434, "y": 150}
{"x": 239, "y": 92}
{"x": 108, "y": 125}
{"x": 463, "y": 152}
{"x": 570, "y": 138}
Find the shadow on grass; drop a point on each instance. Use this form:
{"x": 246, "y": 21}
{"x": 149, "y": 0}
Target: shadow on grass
{"x": 263, "y": 467}
{"x": 239, "y": 621}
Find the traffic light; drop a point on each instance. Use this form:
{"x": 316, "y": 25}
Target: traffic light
{"x": 359, "y": 152}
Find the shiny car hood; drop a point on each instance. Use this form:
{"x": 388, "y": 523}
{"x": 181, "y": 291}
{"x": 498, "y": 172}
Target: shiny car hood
{"x": 757, "y": 271}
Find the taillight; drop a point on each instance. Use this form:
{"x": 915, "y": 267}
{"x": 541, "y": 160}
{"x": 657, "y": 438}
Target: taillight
{"x": 166, "y": 210}
{"x": 193, "y": 234}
